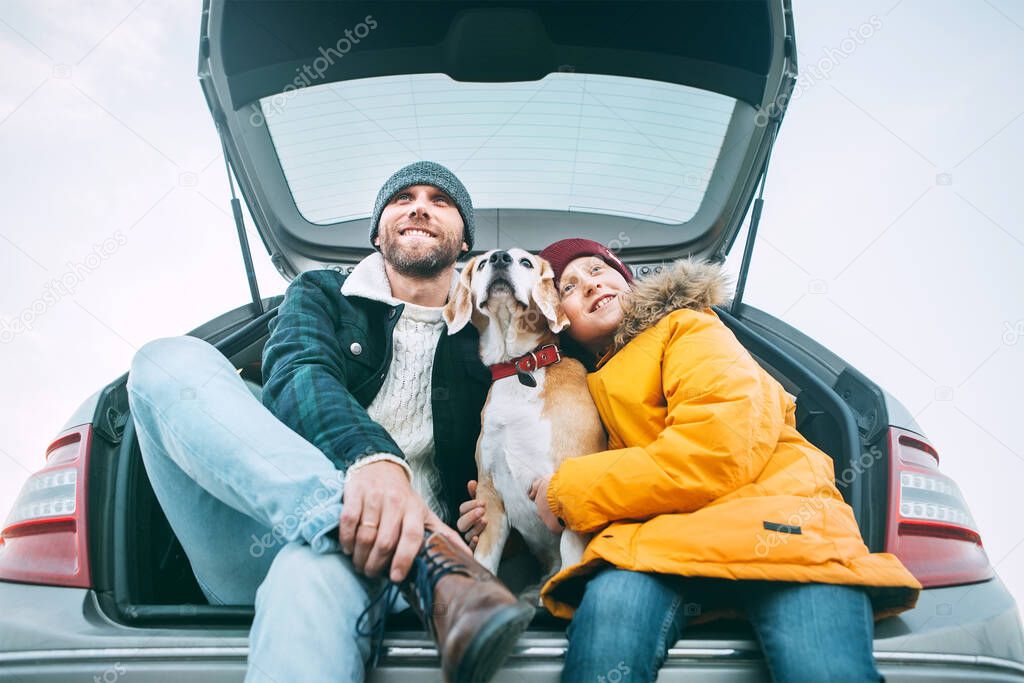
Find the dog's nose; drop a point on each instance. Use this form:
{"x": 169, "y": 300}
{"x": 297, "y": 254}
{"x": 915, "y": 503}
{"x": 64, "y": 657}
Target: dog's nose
{"x": 501, "y": 259}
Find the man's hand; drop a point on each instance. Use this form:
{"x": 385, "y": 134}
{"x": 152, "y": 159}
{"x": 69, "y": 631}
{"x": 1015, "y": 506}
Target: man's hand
{"x": 435, "y": 525}
{"x": 382, "y": 520}
{"x": 471, "y": 517}
{"x": 539, "y": 495}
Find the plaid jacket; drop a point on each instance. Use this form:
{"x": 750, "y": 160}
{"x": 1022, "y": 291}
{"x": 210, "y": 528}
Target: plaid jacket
{"x": 327, "y": 358}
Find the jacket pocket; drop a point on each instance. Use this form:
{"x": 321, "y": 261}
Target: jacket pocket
{"x": 782, "y": 528}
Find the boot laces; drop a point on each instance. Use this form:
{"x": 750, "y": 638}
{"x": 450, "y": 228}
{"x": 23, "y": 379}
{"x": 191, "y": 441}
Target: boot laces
{"x": 424, "y": 574}
{"x": 388, "y": 594}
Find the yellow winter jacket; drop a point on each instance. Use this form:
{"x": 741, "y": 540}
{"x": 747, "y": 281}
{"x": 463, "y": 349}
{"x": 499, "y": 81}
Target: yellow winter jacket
{"x": 706, "y": 474}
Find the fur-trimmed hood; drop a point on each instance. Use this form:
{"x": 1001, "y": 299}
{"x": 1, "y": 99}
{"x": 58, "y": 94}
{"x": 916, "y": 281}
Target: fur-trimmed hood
{"x": 686, "y": 283}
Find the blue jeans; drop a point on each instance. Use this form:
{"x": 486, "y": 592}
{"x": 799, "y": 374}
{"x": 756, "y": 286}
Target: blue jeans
{"x": 810, "y": 632}
{"x": 256, "y": 509}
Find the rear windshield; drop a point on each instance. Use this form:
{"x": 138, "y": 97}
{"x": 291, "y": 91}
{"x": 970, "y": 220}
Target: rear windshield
{"x": 568, "y": 142}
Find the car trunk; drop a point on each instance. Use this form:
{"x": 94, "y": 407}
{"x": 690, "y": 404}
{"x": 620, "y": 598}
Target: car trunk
{"x": 143, "y": 577}
{"x": 645, "y": 125}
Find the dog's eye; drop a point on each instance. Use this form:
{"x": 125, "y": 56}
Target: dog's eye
{"x": 526, "y": 263}
{"x": 481, "y": 265}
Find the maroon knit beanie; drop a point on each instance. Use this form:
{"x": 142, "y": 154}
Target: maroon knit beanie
{"x": 562, "y": 252}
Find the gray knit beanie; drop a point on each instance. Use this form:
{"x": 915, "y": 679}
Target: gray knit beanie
{"x": 426, "y": 173}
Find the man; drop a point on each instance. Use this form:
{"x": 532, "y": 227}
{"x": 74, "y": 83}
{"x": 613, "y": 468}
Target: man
{"x": 361, "y": 449}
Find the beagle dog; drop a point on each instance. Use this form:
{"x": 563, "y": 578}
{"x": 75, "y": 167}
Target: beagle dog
{"x": 538, "y": 411}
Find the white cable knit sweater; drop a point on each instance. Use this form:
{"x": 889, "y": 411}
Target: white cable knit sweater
{"x": 403, "y": 406}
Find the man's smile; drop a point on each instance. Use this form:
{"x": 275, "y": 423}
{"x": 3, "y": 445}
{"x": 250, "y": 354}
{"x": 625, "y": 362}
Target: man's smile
{"x": 415, "y": 230}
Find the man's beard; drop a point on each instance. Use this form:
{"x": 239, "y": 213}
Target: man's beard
{"x": 420, "y": 263}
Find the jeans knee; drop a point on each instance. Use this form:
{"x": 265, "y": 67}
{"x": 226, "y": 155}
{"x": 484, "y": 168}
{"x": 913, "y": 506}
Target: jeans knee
{"x": 172, "y": 364}
{"x": 301, "y": 579}
{"x": 611, "y": 597}
{"x": 608, "y": 614}
{"x": 625, "y": 619}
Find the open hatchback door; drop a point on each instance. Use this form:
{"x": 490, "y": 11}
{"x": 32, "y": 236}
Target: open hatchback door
{"x": 643, "y": 125}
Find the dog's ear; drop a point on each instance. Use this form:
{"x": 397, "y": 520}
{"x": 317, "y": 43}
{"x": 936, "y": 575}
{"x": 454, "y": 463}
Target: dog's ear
{"x": 459, "y": 308}
{"x": 546, "y": 297}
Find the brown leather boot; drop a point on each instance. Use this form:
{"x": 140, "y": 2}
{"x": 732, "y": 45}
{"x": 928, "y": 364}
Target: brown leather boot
{"x": 474, "y": 619}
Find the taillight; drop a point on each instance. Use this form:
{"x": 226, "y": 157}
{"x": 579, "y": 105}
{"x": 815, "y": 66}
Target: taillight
{"x": 930, "y": 527}
{"x": 44, "y": 539}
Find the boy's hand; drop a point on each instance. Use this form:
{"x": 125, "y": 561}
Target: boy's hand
{"x": 471, "y": 517}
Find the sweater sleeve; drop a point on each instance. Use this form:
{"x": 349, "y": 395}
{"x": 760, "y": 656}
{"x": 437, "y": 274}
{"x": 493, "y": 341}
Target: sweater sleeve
{"x": 305, "y": 380}
{"x": 719, "y": 432}
{"x": 378, "y": 457}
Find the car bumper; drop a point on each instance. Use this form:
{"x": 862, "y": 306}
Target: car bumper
{"x": 535, "y": 660}
{"x": 56, "y": 634}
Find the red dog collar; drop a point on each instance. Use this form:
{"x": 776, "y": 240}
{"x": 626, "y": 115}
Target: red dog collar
{"x": 526, "y": 364}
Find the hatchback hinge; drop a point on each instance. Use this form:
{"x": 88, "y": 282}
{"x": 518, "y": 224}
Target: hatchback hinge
{"x": 112, "y": 414}
{"x": 236, "y": 211}
{"x": 755, "y": 218}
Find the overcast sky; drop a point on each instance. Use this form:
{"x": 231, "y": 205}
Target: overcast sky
{"x": 891, "y": 232}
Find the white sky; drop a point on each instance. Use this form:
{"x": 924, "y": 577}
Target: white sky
{"x": 890, "y": 234}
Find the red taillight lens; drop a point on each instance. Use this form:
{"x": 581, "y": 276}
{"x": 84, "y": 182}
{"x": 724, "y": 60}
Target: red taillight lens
{"x": 44, "y": 539}
{"x": 930, "y": 527}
